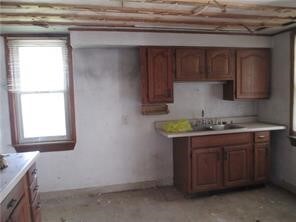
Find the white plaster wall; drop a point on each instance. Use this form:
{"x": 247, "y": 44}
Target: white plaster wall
{"x": 115, "y": 143}
{"x": 83, "y": 39}
{"x": 4, "y": 113}
{"x": 277, "y": 110}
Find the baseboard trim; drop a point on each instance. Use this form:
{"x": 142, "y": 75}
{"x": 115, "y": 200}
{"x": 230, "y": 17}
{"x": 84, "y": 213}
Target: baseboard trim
{"x": 285, "y": 185}
{"x": 107, "y": 189}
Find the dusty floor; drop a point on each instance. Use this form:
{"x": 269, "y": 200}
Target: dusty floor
{"x": 267, "y": 204}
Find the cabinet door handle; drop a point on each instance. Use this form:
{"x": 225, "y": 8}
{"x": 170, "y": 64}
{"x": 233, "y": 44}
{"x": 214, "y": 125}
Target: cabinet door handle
{"x": 11, "y": 203}
{"x": 261, "y": 136}
{"x": 34, "y": 172}
{"x": 38, "y": 206}
{"x": 36, "y": 188}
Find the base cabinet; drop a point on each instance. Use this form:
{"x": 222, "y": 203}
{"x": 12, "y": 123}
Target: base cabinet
{"x": 21, "y": 213}
{"x": 237, "y": 165}
{"x": 22, "y": 204}
{"x": 261, "y": 162}
{"x": 206, "y": 169}
{"x": 219, "y": 162}
{"x": 16, "y": 206}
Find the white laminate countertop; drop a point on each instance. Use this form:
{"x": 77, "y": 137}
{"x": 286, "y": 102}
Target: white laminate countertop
{"x": 18, "y": 165}
{"x": 248, "y": 127}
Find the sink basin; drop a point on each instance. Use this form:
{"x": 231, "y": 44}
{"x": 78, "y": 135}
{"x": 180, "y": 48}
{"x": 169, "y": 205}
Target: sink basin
{"x": 224, "y": 127}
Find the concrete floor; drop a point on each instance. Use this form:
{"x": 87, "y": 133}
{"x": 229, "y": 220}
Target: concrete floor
{"x": 267, "y": 204}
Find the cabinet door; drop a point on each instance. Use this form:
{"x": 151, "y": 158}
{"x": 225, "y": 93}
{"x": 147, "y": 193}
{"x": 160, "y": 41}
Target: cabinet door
{"x": 261, "y": 162}
{"x": 206, "y": 169}
{"x": 22, "y": 211}
{"x": 237, "y": 165}
{"x": 160, "y": 74}
{"x": 190, "y": 64}
{"x": 220, "y": 64}
{"x": 252, "y": 80}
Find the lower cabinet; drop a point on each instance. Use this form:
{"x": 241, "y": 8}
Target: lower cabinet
{"x": 22, "y": 204}
{"x": 206, "y": 169}
{"x": 237, "y": 165}
{"x": 34, "y": 196}
{"x": 16, "y": 207}
{"x": 21, "y": 213}
{"x": 218, "y": 162}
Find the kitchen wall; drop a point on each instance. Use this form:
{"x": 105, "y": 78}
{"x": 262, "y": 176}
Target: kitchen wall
{"x": 116, "y": 144}
{"x": 276, "y": 110}
{"x": 4, "y": 113}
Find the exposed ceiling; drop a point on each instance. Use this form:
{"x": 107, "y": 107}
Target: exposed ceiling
{"x": 219, "y": 16}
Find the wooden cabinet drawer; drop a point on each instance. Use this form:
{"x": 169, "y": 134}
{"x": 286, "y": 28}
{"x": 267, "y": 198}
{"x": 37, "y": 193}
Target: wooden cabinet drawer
{"x": 11, "y": 201}
{"x": 34, "y": 187}
{"x": 262, "y": 137}
{"x": 221, "y": 140}
{"x": 36, "y": 209}
{"x": 32, "y": 174}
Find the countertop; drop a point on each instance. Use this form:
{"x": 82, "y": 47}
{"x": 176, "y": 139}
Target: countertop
{"x": 248, "y": 127}
{"x": 18, "y": 165}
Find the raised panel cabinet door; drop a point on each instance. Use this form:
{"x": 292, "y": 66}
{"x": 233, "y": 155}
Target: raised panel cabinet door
{"x": 220, "y": 64}
{"x": 160, "y": 74}
{"x": 22, "y": 211}
{"x": 237, "y": 165}
{"x": 261, "y": 162}
{"x": 252, "y": 70}
{"x": 206, "y": 169}
{"x": 190, "y": 64}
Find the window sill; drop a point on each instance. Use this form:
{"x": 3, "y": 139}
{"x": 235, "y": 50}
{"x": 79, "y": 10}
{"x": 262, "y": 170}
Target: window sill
{"x": 45, "y": 146}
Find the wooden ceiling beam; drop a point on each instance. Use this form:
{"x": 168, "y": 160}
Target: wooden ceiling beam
{"x": 91, "y": 8}
{"x": 232, "y": 5}
{"x": 47, "y": 24}
{"x": 114, "y": 26}
{"x": 45, "y": 17}
{"x": 197, "y": 11}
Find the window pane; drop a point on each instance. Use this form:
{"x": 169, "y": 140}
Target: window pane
{"x": 41, "y": 69}
{"x": 43, "y": 115}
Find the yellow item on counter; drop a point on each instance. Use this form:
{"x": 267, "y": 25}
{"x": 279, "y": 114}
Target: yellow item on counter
{"x": 177, "y": 126}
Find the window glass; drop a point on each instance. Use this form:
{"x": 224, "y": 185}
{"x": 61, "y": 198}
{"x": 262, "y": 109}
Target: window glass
{"x": 43, "y": 115}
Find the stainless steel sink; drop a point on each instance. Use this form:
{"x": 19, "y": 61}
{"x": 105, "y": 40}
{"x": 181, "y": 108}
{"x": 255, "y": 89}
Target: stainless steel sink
{"x": 224, "y": 127}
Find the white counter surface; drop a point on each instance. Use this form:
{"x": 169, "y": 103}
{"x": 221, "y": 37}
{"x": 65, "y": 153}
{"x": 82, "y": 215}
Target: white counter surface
{"x": 18, "y": 165}
{"x": 248, "y": 127}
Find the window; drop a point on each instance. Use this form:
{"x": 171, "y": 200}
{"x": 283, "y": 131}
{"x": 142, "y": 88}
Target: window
{"x": 40, "y": 89}
{"x": 293, "y": 90}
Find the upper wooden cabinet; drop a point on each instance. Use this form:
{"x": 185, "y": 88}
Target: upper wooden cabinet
{"x": 210, "y": 64}
{"x": 220, "y": 64}
{"x": 157, "y": 74}
{"x": 252, "y": 75}
{"x": 245, "y": 70}
{"x": 190, "y": 64}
